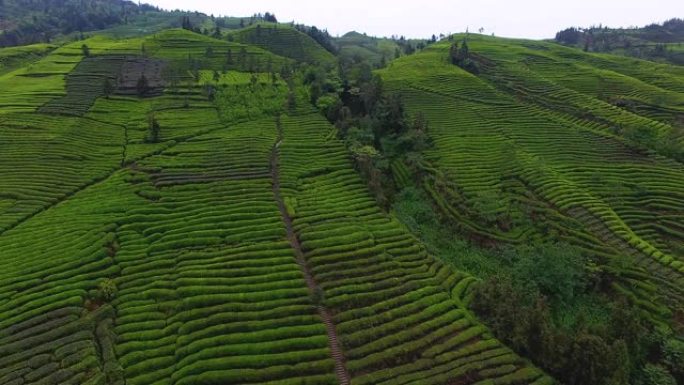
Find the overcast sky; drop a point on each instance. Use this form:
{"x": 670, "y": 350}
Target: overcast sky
{"x": 419, "y": 18}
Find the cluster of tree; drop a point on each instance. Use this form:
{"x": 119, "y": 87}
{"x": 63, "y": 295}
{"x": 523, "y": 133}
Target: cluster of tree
{"x": 187, "y": 24}
{"x": 649, "y": 42}
{"x": 570, "y": 36}
{"x": 409, "y": 47}
{"x": 522, "y": 306}
{"x": 321, "y": 36}
{"x": 373, "y": 123}
{"x": 34, "y": 21}
{"x": 257, "y": 17}
{"x": 460, "y": 56}
{"x": 269, "y": 17}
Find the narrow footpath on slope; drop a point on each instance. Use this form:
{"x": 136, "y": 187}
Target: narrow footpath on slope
{"x": 335, "y": 350}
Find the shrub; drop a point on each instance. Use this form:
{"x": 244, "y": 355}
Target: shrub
{"x": 673, "y": 354}
{"x": 656, "y": 375}
{"x": 107, "y": 290}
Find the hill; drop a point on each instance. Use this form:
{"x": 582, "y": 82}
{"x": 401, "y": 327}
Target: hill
{"x": 207, "y": 228}
{"x": 283, "y": 40}
{"x": 539, "y": 144}
{"x": 661, "y": 42}
{"x": 358, "y": 47}
{"x": 242, "y": 201}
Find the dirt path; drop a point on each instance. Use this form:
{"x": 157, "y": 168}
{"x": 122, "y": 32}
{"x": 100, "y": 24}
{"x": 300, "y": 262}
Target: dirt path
{"x": 335, "y": 350}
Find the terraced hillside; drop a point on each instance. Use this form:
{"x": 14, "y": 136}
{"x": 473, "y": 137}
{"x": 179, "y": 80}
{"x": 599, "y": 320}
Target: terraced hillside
{"x": 234, "y": 244}
{"x": 283, "y": 40}
{"x": 551, "y": 144}
{"x": 355, "y": 46}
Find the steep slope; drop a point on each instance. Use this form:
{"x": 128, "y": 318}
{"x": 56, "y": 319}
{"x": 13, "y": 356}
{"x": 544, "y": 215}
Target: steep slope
{"x": 558, "y": 135}
{"x": 65, "y": 83}
{"x": 235, "y": 245}
{"x": 283, "y": 40}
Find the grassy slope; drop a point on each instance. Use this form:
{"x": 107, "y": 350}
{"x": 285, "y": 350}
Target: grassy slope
{"x": 354, "y": 45}
{"x": 285, "y": 41}
{"x": 189, "y": 231}
{"x": 528, "y": 151}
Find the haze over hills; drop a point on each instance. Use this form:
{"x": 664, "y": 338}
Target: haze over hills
{"x": 188, "y": 199}
{"x": 654, "y": 41}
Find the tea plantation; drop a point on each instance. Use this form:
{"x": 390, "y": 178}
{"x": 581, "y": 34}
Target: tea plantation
{"x": 551, "y": 144}
{"x": 177, "y": 208}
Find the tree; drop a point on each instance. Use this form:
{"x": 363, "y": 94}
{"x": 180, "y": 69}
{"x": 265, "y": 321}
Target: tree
{"x": 209, "y": 91}
{"x": 229, "y": 57}
{"x": 461, "y": 57}
{"x": 657, "y": 375}
{"x": 216, "y": 76}
{"x": 453, "y": 53}
{"x": 242, "y": 59}
{"x": 570, "y": 36}
{"x": 673, "y": 353}
{"x": 209, "y": 52}
{"x": 556, "y": 271}
{"x": 142, "y": 86}
{"x": 464, "y": 52}
{"x": 186, "y": 24}
{"x": 154, "y": 129}
{"x": 107, "y": 290}
{"x": 86, "y": 50}
{"x": 107, "y": 87}
{"x": 589, "y": 360}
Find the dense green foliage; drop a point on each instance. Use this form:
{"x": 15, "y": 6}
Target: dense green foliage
{"x": 662, "y": 42}
{"x": 31, "y": 21}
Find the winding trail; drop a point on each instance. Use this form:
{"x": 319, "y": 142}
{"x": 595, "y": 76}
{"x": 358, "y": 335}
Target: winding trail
{"x": 335, "y": 349}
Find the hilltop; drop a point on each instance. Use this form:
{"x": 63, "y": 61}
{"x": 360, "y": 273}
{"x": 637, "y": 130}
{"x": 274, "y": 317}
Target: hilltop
{"x": 283, "y": 40}
{"x": 192, "y": 199}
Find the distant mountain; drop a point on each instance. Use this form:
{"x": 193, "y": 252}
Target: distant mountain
{"x": 661, "y": 42}
{"x": 39, "y": 21}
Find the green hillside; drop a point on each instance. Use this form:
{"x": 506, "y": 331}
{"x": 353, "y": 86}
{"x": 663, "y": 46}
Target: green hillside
{"x": 283, "y": 40}
{"x": 246, "y": 202}
{"x": 236, "y": 243}
{"x": 547, "y": 144}
{"x": 358, "y": 47}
